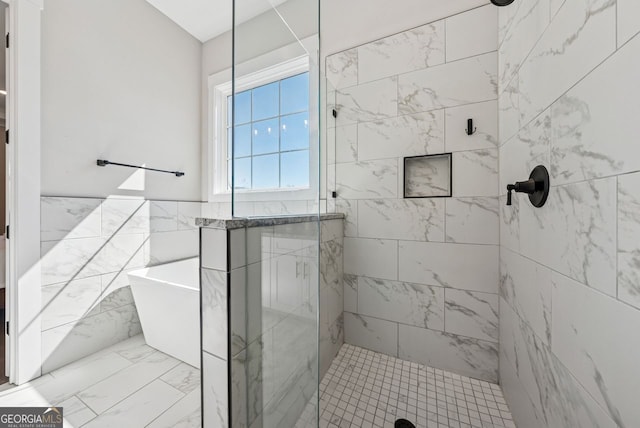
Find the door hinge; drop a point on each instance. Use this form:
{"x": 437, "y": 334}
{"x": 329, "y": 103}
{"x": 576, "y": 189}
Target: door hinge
{"x": 335, "y": 113}
{"x": 7, "y": 231}
{"x": 7, "y": 44}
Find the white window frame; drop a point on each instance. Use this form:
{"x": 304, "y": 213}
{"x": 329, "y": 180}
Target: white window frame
{"x": 269, "y": 68}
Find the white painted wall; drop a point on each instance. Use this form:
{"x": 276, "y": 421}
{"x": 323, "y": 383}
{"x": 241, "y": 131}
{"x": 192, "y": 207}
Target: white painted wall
{"x": 120, "y": 81}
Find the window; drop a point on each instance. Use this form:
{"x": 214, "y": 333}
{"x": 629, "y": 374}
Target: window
{"x": 272, "y": 130}
{"x": 271, "y": 136}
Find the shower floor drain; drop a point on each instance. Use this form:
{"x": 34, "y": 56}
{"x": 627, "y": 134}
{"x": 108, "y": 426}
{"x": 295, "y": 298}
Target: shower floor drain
{"x": 403, "y": 423}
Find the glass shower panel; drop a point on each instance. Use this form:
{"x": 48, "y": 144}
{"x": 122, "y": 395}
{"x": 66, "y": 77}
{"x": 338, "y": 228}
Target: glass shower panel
{"x": 275, "y": 162}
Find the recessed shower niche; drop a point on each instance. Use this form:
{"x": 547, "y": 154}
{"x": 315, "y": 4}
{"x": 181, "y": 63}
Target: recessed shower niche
{"x": 428, "y": 176}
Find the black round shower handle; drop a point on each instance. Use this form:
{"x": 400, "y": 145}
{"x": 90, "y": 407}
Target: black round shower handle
{"x": 537, "y": 187}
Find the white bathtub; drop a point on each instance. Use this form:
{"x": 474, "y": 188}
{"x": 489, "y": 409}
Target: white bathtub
{"x": 168, "y": 301}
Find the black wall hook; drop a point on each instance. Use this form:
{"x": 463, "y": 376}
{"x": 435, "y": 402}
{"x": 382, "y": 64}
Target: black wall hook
{"x": 470, "y": 128}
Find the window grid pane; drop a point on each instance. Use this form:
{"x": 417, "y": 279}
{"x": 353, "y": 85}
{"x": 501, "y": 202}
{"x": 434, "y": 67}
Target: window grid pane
{"x": 260, "y": 166}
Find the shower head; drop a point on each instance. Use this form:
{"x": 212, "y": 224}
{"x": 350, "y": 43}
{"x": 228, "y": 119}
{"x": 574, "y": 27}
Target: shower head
{"x": 502, "y": 2}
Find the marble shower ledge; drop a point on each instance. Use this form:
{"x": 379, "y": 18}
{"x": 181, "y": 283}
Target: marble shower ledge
{"x": 239, "y": 223}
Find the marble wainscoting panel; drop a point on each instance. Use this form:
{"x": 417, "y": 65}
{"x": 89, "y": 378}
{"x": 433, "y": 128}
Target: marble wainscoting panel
{"x": 461, "y": 82}
{"x": 403, "y": 302}
{"x": 70, "y": 342}
{"x": 472, "y": 220}
{"x": 165, "y": 247}
{"x": 377, "y": 258}
{"x": 460, "y": 266}
{"x": 342, "y": 69}
{"x": 214, "y": 392}
{"x": 68, "y": 302}
{"x": 214, "y": 312}
{"x": 471, "y": 314}
{"x": 524, "y": 23}
{"x": 598, "y": 350}
{"x": 124, "y": 216}
{"x": 371, "y": 333}
{"x": 408, "y": 135}
{"x": 367, "y": 179}
{"x": 526, "y": 286}
{"x": 556, "y": 395}
{"x": 370, "y": 101}
{"x": 464, "y": 355}
{"x": 70, "y": 218}
{"x": 528, "y": 149}
{"x": 472, "y": 33}
{"x": 627, "y": 24}
{"x": 411, "y": 50}
{"x": 575, "y": 233}
{"x": 629, "y": 239}
{"x": 590, "y": 138}
{"x": 485, "y": 121}
{"x": 580, "y": 37}
{"x": 475, "y": 173}
{"x": 187, "y": 214}
{"x": 408, "y": 219}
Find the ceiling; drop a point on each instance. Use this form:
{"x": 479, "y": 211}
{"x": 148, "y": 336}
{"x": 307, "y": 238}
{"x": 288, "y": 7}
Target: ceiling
{"x": 206, "y": 19}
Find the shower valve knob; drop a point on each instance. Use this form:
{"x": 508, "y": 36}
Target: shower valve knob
{"x": 537, "y": 187}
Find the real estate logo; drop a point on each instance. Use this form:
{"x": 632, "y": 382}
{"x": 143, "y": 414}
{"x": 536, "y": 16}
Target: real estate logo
{"x": 31, "y": 417}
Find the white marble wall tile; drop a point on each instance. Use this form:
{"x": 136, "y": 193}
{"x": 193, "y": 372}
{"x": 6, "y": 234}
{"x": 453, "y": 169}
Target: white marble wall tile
{"x": 509, "y": 110}
{"x": 115, "y": 299}
{"x": 164, "y": 247}
{"x": 475, "y": 173}
{"x": 472, "y": 220}
{"x": 506, "y": 16}
{"x": 629, "y": 239}
{"x": 403, "y": 302}
{"x": 410, "y": 219}
{"x": 411, "y": 50}
{"x": 68, "y": 343}
{"x": 461, "y": 266}
{"x": 371, "y": 333}
{"x": 590, "y": 138}
{"x": 461, "y": 82}
{"x": 471, "y": 314}
{"x": 187, "y": 214}
{"x": 525, "y": 414}
{"x": 342, "y": 69}
{"x": 216, "y": 209}
{"x": 183, "y": 377}
{"x": 124, "y": 216}
{"x": 575, "y": 233}
{"x": 526, "y": 286}
{"x": 526, "y": 23}
{"x": 510, "y": 223}
{"x": 214, "y": 392}
{"x": 350, "y": 293}
{"x": 472, "y": 33}
{"x": 525, "y": 151}
{"x": 331, "y": 341}
{"x": 485, "y": 120}
{"x": 112, "y": 282}
{"x": 373, "y": 257}
{"x": 628, "y": 26}
{"x": 350, "y": 209}
{"x": 426, "y": 176}
{"x": 331, "y": 230}
{"x": 68, "y": 302}
{"x": 554, "y": 6}
{"x": 67, "y": 218}
{"x": 370, "y": 101}
{"x": 214, "y": 312}
{"x": 163, "y": 216}
{"x": 580, "y": 37}
{"x": 598, "y": 350}
{"x": 466, "y": 356}
{"x": 186, "y": 413}
{"x": 344, "y": 142}
{"x": 409, "y": 135}
{"x": 238, "y": 248}
{"x": 555, "y": 394}
{"x": 366, "y": 180}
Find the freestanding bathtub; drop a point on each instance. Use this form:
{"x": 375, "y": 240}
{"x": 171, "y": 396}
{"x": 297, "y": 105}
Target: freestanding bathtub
{"x": 168, "y": 301}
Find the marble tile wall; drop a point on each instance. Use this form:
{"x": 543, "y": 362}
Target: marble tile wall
{"x": 421, "y": 275}
{"x": 87, "y": 248}
{"x": 569, "y": 283}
